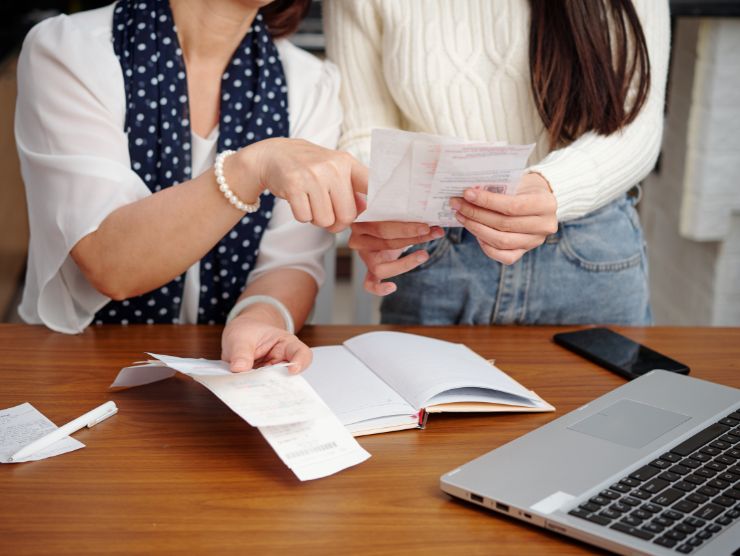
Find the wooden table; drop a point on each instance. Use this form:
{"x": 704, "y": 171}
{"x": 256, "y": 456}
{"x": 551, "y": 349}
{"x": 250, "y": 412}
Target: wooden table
{"x": 176, "y": 471}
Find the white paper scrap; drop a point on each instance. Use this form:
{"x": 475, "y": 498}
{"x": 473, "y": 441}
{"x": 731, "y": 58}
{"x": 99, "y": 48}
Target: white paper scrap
{"x": 414, "y": 175}
{"x": 21, "y": 425}
{"x": 142, "y": 373}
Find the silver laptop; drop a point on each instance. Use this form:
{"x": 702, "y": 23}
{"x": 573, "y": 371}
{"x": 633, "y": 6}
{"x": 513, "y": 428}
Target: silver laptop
{"x": 652, "y": 467}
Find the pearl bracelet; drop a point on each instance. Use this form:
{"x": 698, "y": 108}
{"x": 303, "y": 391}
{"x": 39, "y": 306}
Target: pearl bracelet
{"x": 235, "y": 201}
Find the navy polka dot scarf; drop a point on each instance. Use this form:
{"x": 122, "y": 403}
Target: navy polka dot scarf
{"x": 254, "y": 106}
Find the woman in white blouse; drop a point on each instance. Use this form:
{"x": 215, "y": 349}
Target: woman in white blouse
{"x": 118, "y": 105}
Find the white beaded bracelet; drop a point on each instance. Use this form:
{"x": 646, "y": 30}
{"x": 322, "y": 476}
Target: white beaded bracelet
{"x": 235, "y": 201}
{"x": 252, "y": 299}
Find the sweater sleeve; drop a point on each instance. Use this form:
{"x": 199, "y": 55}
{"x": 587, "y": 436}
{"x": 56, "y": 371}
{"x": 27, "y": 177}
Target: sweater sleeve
{"x": 596, "y": 169}
{"x": 354, "y": 42}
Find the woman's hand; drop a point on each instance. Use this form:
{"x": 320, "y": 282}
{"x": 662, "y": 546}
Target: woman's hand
{"x": 380, "y": 244}
{"x": 507, "y": 226}
{"x": 318, "y": 183}
{"x": 248, "y": 342}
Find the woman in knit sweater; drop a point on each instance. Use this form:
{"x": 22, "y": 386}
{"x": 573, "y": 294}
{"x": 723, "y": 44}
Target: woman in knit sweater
{"x": 583, "y": 80}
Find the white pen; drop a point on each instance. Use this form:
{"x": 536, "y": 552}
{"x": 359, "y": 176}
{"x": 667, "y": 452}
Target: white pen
{"x": 89, "y": 419}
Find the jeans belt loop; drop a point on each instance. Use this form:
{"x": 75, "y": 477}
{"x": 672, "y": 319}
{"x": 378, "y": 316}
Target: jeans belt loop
{"x": 634, "y": 195}
{"x": 455, "y": 234}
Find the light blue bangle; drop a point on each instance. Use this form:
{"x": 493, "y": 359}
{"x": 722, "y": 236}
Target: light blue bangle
{"x": 252, "y": 299}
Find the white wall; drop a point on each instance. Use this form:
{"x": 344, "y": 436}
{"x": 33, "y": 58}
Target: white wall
{"x": 691, "y": 207}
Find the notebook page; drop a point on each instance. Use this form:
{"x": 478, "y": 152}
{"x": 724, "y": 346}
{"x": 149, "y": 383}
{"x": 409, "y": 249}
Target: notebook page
{"x": 352, "y": 391}
{"x": 474, "y": 395}
{"x": 419, "y": 368}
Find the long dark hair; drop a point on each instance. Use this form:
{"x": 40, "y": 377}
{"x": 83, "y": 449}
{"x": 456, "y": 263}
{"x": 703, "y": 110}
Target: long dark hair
{"x": 283, "y": 16}
{"x": 584, "y": 56}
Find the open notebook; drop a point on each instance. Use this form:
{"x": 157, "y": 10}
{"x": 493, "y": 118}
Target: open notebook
{"x": 375, "y": 382}
{"x": 384, "y": 381}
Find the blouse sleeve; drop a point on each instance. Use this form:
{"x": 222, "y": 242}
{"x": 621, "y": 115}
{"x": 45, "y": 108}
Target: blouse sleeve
{"x": 596, "y": 169}
{"x": 316, "y": 116}
{"x": 74, "y": 161}
{"x": 354, "y": 42}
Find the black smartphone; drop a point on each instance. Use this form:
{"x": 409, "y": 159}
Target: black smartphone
{"x": 617, "y": 353}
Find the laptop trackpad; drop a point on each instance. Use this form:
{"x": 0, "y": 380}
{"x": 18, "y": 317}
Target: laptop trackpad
{"x": 630, "y": 423}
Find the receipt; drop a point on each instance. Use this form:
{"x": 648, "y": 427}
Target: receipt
{"x": 194, "y": 367}
{"x": 267, "y": 396}
{"x": 480, "y": 166}
{"x": 424, "y": 160}
{"x": 316, "y": 448}
{"x": 414, "y": 175}
{"x": 294, "y": 420}
{"x": 21, "y": 425}
{"x": 264, "y": 396}
{"x": 165, "y": 366}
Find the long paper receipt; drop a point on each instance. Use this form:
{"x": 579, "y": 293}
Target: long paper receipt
{"x": 294, "y": 420}
{"x": 414, "y": 175}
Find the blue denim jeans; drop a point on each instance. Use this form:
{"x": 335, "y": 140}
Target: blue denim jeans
{"x": 592, "y": 270}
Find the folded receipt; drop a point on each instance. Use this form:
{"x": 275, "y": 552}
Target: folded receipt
{"x": 413, "y": 176}
{"x": 294, "y": 420}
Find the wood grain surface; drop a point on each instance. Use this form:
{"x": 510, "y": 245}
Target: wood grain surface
{"x": 177, "y": 472}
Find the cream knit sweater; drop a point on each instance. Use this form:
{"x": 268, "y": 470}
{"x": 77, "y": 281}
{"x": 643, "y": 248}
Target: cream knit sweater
{"x": 461, "y": 68}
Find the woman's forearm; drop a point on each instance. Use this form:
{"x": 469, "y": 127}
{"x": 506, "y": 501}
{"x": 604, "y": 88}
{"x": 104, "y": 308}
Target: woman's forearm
{"x": 294, "y": 288}
{"x": 145, "y": 244}
{"x": 258, "y": 335}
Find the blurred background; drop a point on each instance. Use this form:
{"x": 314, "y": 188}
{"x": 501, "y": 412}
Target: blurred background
{"x": 691, "y": 202}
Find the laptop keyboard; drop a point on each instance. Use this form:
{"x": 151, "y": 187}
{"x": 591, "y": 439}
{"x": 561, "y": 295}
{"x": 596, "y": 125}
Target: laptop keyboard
{"x": 683, "y": 498}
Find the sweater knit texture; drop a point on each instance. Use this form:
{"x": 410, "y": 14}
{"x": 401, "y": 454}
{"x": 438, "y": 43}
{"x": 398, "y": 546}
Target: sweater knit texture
{"x": 461, "y": 68}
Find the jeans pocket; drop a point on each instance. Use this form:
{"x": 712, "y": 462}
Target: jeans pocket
{"x": 436, "y": 249}
{"x": 606, "y": 240}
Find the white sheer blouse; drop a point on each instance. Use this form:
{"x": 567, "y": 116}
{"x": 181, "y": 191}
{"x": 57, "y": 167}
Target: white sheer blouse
{"x": 76, "y": 166}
